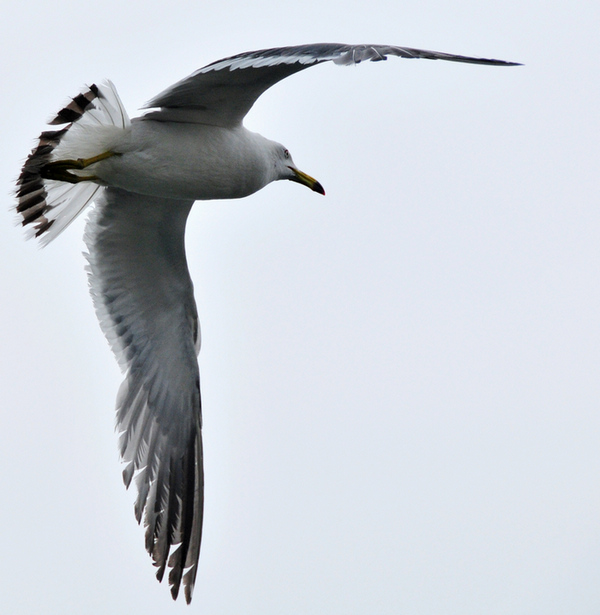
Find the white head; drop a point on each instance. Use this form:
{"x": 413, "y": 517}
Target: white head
{"x": 285, "y": 168}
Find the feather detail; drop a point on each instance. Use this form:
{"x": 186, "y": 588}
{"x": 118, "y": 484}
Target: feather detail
{"x": 144, "y": 300}
{"x": 46, "y": 207}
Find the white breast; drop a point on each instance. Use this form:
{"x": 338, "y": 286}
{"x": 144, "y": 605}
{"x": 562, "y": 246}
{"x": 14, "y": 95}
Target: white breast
{"x": 184, "y": 160}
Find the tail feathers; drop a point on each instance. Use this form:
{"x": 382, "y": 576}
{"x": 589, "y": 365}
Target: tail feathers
{"x": 76, "y": 108}
{"x": 46, "y": 207}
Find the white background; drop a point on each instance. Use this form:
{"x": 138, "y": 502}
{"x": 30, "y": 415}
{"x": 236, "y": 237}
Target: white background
{"x": 401, "y": 380}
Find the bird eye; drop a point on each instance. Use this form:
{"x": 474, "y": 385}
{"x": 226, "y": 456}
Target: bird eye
{"x": 286, "y": 153}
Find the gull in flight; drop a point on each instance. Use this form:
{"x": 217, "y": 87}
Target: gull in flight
{"x": 143, "y": 176}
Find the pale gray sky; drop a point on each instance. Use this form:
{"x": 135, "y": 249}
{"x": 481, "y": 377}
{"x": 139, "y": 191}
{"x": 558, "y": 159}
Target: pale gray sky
{"x": 401, "y": 380}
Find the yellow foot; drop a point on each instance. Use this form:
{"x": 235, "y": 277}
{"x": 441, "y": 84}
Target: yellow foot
{"x": 60, "y": 170}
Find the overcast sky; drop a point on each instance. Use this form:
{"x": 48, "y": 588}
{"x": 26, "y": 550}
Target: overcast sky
{"x": 401, "y": 380}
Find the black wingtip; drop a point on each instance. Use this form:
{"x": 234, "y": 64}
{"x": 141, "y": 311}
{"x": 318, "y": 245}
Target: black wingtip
{"x": 503, "y": 63}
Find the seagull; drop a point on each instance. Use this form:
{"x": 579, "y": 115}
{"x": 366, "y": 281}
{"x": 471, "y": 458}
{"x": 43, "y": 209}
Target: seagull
{"x": 143, "y": 176}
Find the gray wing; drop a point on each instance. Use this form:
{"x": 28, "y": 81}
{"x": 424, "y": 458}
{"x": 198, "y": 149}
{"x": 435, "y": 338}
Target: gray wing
{"x": 224, "y": 91}
{"x": 144, "y": 300}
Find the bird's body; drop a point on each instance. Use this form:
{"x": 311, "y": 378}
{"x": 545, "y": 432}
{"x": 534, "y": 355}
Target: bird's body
{"x": 185, "y": 160}
{"x": 144, "y": 176}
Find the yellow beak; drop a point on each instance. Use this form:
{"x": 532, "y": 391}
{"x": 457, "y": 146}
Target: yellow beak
{"x": 306, "y": 180}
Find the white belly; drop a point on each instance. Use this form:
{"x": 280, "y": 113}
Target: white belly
{"x": 184, "y": 160}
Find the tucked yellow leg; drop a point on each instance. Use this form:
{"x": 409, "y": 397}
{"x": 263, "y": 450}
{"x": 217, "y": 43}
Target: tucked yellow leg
{"x": 60, "y": 170}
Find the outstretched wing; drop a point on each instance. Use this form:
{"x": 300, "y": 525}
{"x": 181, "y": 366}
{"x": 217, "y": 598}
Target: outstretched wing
{"x": 224, "y": 91}
{"x": 144, "y": 300}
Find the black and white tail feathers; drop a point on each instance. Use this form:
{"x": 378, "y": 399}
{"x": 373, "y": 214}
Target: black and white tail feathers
{"x": 46, "y": 207}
